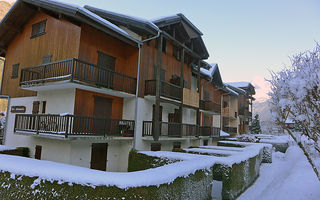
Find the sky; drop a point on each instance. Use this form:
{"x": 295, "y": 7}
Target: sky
{"x": 247, "y": 38}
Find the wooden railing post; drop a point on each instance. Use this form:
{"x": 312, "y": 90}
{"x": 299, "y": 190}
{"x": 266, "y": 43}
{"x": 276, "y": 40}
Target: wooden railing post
{"x": 38, "y": 123}
{"x": 72, "y": 69}
{"x": 67, "y": 126}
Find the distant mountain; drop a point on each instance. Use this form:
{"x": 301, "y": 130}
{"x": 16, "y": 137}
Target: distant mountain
{"x": 4, "y": 8}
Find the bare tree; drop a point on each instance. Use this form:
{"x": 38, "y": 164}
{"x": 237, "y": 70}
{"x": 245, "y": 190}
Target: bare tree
{"x": 295, "y": 92}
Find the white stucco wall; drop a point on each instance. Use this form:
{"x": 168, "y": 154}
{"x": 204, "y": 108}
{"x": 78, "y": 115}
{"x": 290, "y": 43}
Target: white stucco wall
{"x": 216, "y": 121}
{"x": 58, "y": 101}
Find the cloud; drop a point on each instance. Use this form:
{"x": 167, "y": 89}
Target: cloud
{"x": 262, "y": 88}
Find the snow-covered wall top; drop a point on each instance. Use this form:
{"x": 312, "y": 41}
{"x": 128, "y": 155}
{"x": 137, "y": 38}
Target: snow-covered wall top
{"x": 189, "y": 164}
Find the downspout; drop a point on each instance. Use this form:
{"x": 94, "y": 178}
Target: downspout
{"x": 137, "y": 90}
{"x": 4, "y": 62}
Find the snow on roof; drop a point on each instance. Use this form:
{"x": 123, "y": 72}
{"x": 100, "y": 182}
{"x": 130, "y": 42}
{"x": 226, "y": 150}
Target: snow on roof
{"x": 209, "y": 72}
{"x": 88, "y": 14}
{"x": 224, "y": 134}
{"x": 142, "y": 20}
{"x": 232, "y": 91}
{"x": 239, "y": 84}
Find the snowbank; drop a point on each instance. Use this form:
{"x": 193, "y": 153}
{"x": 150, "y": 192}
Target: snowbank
{"x": 6, "y": 148}
{"x": 224, "y": 134}
{"x": 290, "y": 176}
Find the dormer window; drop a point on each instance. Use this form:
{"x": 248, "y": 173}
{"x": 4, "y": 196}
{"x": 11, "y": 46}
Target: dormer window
{"x": 38, "y": 29}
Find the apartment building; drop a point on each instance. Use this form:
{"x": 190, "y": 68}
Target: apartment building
{"x": 87, "y": 85}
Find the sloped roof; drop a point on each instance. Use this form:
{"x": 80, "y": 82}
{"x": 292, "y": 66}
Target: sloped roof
{"x": 247, "y": 86}
{"x": 23, "y": 10}
{"x": 212, "y": 71}
{"x": 173, "y": 19}
{"x": 138, "y": 24}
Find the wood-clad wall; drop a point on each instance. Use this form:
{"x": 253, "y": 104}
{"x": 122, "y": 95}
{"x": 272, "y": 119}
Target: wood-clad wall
{"x": 84, "y": 104}
{"x": 93, "y": 40}
{"x": 214, "y": 93}
{"x": 61, "y": 40}
{"x": 170, "y": 64}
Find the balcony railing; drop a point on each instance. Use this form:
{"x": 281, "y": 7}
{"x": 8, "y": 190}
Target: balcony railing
{"x": 71, "y": 125}
{"x": 232, "y": 130}
{"x": 210, "y": 106}
{"x": 209, "y": 131}
{"x": 229, "y": 112}
{"x": 168, "y": 90}
{"x": 171, "y": 129}
{"x": 75, "y": 69}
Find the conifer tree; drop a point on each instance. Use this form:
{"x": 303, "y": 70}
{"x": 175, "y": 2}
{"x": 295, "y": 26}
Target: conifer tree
{"x": 255, "y": 125}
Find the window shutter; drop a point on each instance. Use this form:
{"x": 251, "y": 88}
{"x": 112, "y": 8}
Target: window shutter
{"x": 15, "y": 71}
{"x": 35, "y": 107}
{"x": 44, "y": 105}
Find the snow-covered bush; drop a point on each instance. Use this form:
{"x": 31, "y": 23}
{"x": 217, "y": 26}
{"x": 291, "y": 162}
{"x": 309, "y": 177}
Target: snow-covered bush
{"x": 295, "y": 92}
{"x": 247, "y": 138}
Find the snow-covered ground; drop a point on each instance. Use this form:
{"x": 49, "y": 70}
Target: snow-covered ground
{"x": 289, "y": 176}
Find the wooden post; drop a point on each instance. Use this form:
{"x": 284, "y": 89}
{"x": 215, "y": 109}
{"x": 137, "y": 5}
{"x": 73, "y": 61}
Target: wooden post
{"x": 156, "y": 122}
{"x": 198, "y": 84}
{"x": 181, "y": 85}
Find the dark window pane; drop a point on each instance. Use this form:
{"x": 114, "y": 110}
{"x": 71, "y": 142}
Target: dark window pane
{"x": 15, "y": 71}
{"x": 38, "y": 29}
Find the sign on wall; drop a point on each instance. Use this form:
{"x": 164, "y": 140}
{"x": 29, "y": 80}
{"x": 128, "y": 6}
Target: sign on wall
{"x": 18, "y": 109}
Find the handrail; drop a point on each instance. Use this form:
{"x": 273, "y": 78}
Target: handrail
{"x": 77, "y": 70}
{"x": 73, "y": 125}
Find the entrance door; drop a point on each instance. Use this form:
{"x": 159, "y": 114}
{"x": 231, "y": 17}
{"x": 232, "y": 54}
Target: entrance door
{"x": 153, "y": 116}
{"x": 174, "y": 125}
{"x": 99, "y": 156}
{"x": 106, "y": 67}
{"x": 102, "y": 112}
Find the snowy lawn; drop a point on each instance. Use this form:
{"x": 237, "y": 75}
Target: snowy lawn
{"x": 289, "y": 176}
{"x": 6, "y": 148}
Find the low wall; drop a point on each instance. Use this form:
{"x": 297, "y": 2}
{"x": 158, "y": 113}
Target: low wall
{"x": 195, "y": 186}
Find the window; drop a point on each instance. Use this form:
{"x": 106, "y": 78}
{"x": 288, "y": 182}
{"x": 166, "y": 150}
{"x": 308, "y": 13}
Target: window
{"x": 205, "y": 142}
{"x": 38, "y": 29}
{"x": 15, "y": 71}
{"x": 164, "y": 45}
{"x": 176, "y": 145}
{"x": 177, "y": 53}
{"x": 155, "y": 147}
{"x": 35, "y": 107}
{"x": 44, "y": 105}
{"x": 46, "y": 59}
{"x": 206, "y": 95}
{"x": 206, "y": 121}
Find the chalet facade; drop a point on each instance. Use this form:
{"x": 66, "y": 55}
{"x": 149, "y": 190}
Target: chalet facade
{"x": 93, "y": 84}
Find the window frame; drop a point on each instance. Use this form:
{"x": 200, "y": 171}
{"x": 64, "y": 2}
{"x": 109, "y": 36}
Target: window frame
{"x": 15, "y": 71}
{"x": 36, "y": 33}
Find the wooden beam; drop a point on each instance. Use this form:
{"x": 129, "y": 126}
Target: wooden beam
{"x": 188, "y": 50}
{"x": 156, "y": 122}
{"x": 198, "y": 84}
{"x": 181, "y": 85}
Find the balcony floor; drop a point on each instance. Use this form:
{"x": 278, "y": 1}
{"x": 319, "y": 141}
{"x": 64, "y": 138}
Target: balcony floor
{"x": 73, "y": 137}
{"x": 67, "y": 84}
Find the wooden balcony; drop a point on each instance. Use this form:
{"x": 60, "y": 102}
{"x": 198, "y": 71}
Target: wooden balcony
{"x": 71, "y": 125}
{"x": 210, "y": 106}
{"x": 209, "y": 131}
{"x": 169, "y": 129}
{"x": 167, "y": 90}
{"x": 245, "y": 112}
{"x": 190, "y": 98}
{"x": 229, "y": 112}
{"x": 78, "y": 71}
{"x": 231, "y": 130}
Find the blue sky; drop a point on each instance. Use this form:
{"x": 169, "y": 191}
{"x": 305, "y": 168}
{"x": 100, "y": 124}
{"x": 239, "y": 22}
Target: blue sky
{"x": 246, "y": 38}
